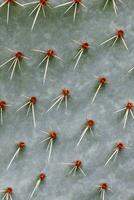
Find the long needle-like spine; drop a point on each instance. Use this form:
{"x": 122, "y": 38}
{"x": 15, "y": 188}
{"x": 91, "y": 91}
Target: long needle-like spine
{"x": 113, "y": 154}
{"x": 16, "y": 153}
{"x": 35, "y": 188}
{"x": 82, "y": 135}
{"x": 37, "y": 13}
{"x": 99, "y": 87}
{"x": 46, "y": 68}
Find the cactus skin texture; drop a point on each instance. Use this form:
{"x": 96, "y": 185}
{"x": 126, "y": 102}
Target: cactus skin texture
{"x": 57, "y": 31}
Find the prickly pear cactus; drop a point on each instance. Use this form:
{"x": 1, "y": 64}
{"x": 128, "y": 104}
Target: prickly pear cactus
{"x": 66, "y": 86}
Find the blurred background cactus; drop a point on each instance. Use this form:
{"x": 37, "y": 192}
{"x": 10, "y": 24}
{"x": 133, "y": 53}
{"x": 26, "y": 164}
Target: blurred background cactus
{"x": 57, "y": 31}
